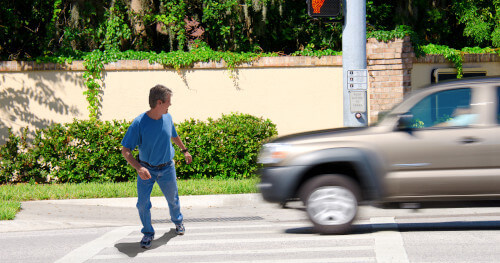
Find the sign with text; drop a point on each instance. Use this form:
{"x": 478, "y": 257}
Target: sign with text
{"x": 357, "y": 100}
{"x": 357, "y": 79}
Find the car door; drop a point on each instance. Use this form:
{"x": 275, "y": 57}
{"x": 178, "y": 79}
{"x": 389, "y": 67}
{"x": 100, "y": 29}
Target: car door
{"x": 443, "y": 151}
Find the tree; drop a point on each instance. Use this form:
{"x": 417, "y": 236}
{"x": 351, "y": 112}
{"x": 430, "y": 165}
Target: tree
{"x": 481, "y": 19}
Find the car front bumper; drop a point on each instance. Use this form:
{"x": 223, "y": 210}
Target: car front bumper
{"x": 279, "y": 184}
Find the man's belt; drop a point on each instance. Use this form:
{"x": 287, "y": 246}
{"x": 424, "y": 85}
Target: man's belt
{"x": 154, "y": 166}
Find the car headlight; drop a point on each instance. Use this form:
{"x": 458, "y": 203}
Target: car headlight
{"x": 274, "y": 153}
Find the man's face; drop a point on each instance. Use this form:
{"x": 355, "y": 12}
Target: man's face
{"x": 165, "y": 104}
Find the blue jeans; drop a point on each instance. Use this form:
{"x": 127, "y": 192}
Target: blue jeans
{"x": 166, "y": 179}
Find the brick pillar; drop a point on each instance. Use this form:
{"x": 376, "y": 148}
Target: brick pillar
{"x": 389, "y": 73}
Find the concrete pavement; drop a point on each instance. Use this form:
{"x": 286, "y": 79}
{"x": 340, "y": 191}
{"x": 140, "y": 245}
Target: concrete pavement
{"x": 111, "y": 212}
{"x": 118, "y": 212}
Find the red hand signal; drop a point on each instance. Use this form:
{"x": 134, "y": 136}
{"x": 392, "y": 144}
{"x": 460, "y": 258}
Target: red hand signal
{"x": 317, "y": 4}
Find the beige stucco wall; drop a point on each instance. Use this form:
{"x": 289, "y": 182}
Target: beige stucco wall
{"x": 295, "y": 98}
{"x": 421, "y": 72}
{"x": 296, "y": 93}
{"x": 36, "y": 99}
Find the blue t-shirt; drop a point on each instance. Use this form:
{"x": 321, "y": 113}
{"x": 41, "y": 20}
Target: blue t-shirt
{"x": 153, "y": 137}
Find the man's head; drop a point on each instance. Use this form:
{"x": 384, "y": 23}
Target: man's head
{"x": 159, "y": 94}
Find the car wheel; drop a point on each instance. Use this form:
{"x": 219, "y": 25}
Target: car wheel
{"x": 331, "y": 203}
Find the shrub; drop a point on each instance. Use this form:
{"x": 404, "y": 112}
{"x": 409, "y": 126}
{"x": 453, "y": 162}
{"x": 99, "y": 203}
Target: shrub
{"x": 81, "y": 151}
{"x": 15, "y": 160}
{"x": 90, "y": 151}
{"x": 223, "y": 148}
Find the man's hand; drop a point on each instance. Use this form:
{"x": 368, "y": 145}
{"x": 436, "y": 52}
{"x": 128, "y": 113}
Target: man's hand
{"x": 188, "y": 157}
{"x": 144, "y": 173}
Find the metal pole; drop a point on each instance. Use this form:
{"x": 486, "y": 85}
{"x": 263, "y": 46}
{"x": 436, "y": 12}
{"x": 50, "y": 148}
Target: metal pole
{"x": 355, "y": 75}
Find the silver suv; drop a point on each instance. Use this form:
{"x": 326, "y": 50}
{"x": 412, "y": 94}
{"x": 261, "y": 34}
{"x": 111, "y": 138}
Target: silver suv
{"x": 440, "y": 144}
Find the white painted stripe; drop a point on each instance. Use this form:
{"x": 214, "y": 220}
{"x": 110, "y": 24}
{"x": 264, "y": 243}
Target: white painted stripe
{"x": 389, "y": 246}
{"x": 139, "y": 236}
{"x": 237, "y": 252}
{"x": 93, "y": 247}
{"x": 304, "y": 260}
{"x": 224, "y": 225}
{"x": 179, "y": 241}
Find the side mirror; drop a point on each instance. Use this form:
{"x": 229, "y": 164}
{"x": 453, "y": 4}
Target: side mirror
{"x": 405, "y": 123}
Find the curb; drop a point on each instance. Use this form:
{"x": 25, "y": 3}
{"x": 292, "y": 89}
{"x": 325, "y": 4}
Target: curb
{"x": 198, "y": 201}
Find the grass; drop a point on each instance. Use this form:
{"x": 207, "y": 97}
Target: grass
{"x": 11, "y": 195}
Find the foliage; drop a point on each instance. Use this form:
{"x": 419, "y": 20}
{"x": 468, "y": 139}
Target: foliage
{"x": 34, "y": 28}
{"x": 95, "y": 61}
{"x": 9, "y": 209}
{"x": 223, "y": 148}
{"x": 399, "y": 32}
{"x": 310, "y": 51}
{"x": 15, "y": 161}
{"x": 90, "y": 151}
{"x": 481, "y": 19}
{"x": 81, "y": 151}
{"x": 453, "y": 55}
{"x": 450, "y": 54}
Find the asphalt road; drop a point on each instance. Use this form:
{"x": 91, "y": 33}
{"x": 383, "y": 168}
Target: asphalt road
{"x": 243, "y": 228}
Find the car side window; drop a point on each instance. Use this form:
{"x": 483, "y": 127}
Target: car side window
{"x": 449, "y": 108}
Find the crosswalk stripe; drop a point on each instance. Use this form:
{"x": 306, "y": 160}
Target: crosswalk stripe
{"x": 238, "y": 226}
{"x": 304, "y": 260}
{"x": 90, "y": 249}
{"x": 238, "y": 252}
{"x": 191, "y": 234}
{"x": 389, "y": 246}
{"x": 266, "y": 240}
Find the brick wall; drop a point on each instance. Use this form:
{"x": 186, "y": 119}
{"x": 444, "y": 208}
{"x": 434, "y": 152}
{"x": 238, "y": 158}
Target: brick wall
{"x": 389, "y": 73}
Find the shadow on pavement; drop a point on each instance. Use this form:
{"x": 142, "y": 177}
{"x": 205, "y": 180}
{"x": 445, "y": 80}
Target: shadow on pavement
{"x": 411, "y": 227}
{"x": 133, "y": 249}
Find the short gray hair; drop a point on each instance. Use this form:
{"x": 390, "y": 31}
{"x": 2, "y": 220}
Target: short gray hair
{"x": 158, "y": 92}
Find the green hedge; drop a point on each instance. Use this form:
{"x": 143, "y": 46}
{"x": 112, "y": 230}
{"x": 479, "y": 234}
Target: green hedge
{"x": 90, "y": 151}
{"x": 223, "y": 148}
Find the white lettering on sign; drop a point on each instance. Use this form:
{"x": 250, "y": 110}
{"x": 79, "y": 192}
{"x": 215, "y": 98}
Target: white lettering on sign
{"x": 357, "y": 101}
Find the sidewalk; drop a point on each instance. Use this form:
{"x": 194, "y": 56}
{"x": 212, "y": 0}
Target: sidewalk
{"x": 110, "y": 212}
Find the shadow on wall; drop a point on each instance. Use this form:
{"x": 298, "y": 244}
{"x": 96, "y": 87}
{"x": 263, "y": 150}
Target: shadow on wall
{"x": 18, "y": 95}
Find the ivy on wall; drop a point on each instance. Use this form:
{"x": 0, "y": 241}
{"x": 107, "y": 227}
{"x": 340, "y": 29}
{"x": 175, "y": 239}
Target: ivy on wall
{"x": 453, "y": 55}
{"x": 94, "y": 64}
{"x": 200, "y": 52}
{"x": 456, "y": 56}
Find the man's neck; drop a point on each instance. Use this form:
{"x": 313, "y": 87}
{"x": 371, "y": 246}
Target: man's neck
{"x": 153, "y": 114}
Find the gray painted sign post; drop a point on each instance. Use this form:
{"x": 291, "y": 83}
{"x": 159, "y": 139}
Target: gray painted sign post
{"x": 355, "y": 74}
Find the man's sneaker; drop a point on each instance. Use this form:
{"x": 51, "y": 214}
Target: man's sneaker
{"x": 146, "y": 241}
{"x": 179, "y": 229}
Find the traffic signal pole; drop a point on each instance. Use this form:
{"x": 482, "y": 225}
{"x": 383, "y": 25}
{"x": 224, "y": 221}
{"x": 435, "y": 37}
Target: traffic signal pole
{"x": 355, "y": 74}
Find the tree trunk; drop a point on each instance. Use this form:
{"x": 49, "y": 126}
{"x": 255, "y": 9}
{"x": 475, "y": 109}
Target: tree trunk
{"x": 137, "y": 7}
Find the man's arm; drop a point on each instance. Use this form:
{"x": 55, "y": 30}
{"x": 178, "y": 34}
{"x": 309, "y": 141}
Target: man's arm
{"x": 141, "y": 170}
{"x": 177, "y": 140}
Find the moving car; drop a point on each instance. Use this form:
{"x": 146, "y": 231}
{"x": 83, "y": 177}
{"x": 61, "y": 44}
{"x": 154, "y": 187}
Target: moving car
{"x": 440, "y": 144}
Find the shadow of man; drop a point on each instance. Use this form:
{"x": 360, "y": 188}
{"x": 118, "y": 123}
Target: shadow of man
{"x": 133, "y": 249}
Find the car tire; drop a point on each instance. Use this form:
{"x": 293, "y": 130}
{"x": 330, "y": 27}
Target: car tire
{"x": 331, "y": 203}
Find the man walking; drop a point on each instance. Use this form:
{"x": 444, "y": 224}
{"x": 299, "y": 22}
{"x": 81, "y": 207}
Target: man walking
{"x": 153, "y": 132}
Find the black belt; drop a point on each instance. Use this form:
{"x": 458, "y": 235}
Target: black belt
{"x": 155, "y": 166}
